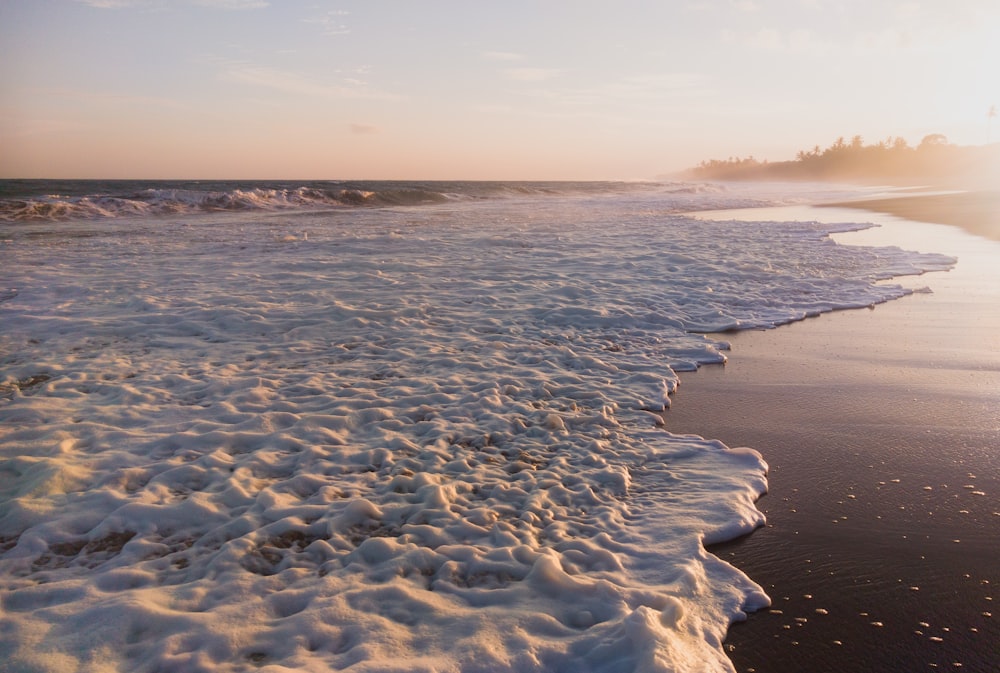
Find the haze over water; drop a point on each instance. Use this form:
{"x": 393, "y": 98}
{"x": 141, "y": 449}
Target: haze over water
{"x": 216, "y": 89}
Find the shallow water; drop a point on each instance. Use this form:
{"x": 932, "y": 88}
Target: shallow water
{"x": 881, "y": 542}
{"x": 387, "y": 438}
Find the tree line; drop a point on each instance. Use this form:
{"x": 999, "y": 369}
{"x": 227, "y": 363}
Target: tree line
{"x": 890, "y": 160}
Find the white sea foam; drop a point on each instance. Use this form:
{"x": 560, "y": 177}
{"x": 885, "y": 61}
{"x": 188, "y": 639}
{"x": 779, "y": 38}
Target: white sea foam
{"x": 402, "y": 439}
{"x": 62, "y": 200}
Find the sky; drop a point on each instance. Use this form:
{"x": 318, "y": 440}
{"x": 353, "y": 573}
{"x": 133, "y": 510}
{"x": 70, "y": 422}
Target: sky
{"x": 448, "y": 89}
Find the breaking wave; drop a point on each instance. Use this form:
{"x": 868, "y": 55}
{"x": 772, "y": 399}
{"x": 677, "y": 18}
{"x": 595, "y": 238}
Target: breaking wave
{"x": 57, "y": 207}
{"x": 64, "y": 200}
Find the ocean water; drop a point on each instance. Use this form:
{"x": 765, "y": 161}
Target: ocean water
{"x": 384, "y": 426}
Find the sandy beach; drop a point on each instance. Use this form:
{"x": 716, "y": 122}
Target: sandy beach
{"x": 978, "y": 212}
{"x": 882, "y": 431}
{"x": 300, "y": 434}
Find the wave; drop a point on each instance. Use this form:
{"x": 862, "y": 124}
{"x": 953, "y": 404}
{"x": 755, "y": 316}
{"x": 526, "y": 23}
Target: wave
{"x": 174, "y": 201}
{"x": 368, "y": 451}
{"x": 64, "y": 200}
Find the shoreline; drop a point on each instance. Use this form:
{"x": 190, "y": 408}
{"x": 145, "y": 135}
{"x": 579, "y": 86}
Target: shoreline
{"x": 881, "y": 428}
{"x": 977, "y": 212}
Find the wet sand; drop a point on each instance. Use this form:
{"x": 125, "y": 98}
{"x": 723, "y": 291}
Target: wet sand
{"x": 977, "y": 212}
{"x": 882, "y": 431}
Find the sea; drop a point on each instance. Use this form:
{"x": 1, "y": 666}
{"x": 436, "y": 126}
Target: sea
{"x": 386, "y": 426}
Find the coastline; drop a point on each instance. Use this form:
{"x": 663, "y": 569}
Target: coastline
{"x": 978, "y": 212}
{"x": 881, "y": 428}
{"x": 271, "y": 396}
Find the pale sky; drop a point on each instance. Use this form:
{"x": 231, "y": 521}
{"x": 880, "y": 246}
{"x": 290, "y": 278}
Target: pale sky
{"x": 477, "y": 89}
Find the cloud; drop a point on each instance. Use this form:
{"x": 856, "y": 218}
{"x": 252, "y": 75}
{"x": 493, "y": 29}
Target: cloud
{"x": 766, "y": 38}
{"x": 22, "y": 128}
{"x": 643, "y": 89}
{"x": 531, "y": 74}
{"x": 115, "y": 99}
{"x": 215, "y": 4}
{"x": 331, "y": 23}
{"x": 618, "y": 102}
{"x": 364, "y": 129}
{"x": 113, "y": 4}
{"x": 232, "y": 4}
{"x": 296, "y": 83}
{"x": 665, "y": 80}
{"x": 502, "y": 56}
{"x": 796, "y": 41}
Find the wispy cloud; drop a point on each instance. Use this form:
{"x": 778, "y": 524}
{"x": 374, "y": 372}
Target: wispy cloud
{"x": 117, "y": 99}
{"x": 114, "y": 4}
{"x": 232, "y": 4}
{"x": 215, "y": 4}
{"x": 364, "y": 129}
{"x": 296, "y": 83}
{"x": 502, "y": 56}
{"x": 332, "y": 22}
{"x": 663, "y": 83}
{"x": 797, "y": 40}
{"x": 12, "y": 127}
{"x": 636, "y": 90}
{"x": 766, "y": 38}
{"x": 86, "y": 106}
{"x": 531, "y": 74}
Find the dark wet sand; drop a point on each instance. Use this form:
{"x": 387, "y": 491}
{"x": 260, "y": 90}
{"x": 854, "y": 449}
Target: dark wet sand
{"x": 882, "y": 431}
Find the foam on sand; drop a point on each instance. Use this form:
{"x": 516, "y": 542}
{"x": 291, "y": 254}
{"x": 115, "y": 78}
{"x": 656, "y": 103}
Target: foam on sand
{"x": 415, "y": 439}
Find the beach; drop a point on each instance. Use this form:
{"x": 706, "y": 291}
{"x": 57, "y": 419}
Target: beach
{"x": 383, "y": 426}
{"x": 387, "y": 426}
{"x": 881, "y": 428}
{"x": 978, "y": 212}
